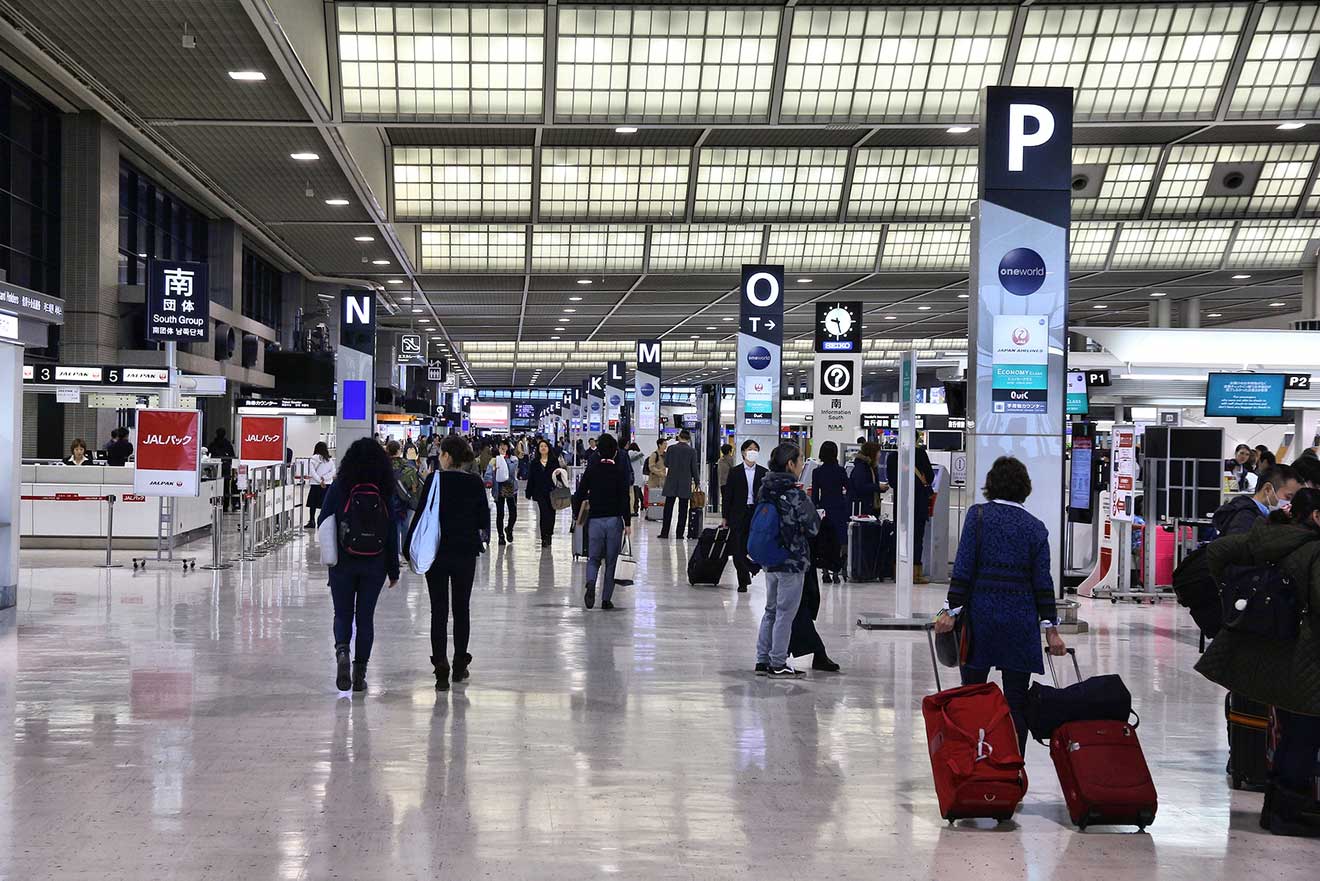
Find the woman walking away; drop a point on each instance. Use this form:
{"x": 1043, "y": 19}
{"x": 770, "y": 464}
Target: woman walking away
{"x": 1281, "y": 672}
{"x": 1002, "y": 584}
{"x": 320, "y": 471}
{"x": 605, "y": 490}
{"x": 829, "y": 492}
{"x": 502, "y": 473}
{"x": 360, "y": 500}
{"x": 636, "y": 459}
{"x": 540, "y": 481}
{"x": 785, "y": 554}
{"x": 464, "y": 529}
{"x": 864, "y": 486}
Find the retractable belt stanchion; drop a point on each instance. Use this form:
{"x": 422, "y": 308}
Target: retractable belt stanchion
{"x": 109, "y": 520}
{"x": 217, "y": 552}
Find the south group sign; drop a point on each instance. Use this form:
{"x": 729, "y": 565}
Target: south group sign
{"x": 168, "y": 453}
{"x": 261, "y": 440}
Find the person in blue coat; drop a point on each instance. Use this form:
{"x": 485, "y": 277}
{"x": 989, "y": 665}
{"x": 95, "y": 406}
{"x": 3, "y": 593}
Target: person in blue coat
{"x": 1002, "y": 584}
{"x": 829, "y": 492}
{"x": 864, "y": 486}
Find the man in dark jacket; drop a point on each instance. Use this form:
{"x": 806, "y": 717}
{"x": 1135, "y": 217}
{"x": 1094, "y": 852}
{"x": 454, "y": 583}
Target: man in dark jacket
{"x": 741, "y": 491}
{"x": 681, "y": 475}
{"x": 1240, "y": 513}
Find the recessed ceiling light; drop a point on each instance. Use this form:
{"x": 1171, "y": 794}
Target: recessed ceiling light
{"x": 394, "y": 281}
{"x": 1158, "y": 294}
{"x": 1291, "y": 126}
{"x": 570, "y": 310}
{"x": 304, "y": 157}
{"x": 1099, "y": 306}
{"x": 364, "y": 238}
{"x": 1277, "y": 305}
{"x": 696, "y": 336}
{"x": 958, "y": 129}
{"x": 336, "y": 202}
{"x": 554, "y": 337}
{"x": 923, "y": 308}
{"x": 1214, "y": 315}
{"x": 891, "y": 318}
{"x": 380, "y": 262}
{"x": 247, "y": 76}
{"x": 565, "y": 320}
{"x": 417, "y": 309}
{"x": 1241, "y": 276}
{"x": 584, "y": 281}
{"x": 804, "y": 281}
{"x": 727, "y": 318}
{"x": 626, "y": 130}
{"x": 964, "y": 296}
{"x": 710, "y": 327}
{"x": 405, "y": 299}
{"x": 424, "y": 320}
{"x": 575, "y": 299}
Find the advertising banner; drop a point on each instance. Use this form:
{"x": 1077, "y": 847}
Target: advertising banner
{"x": 169, "y": 453}
{"x": 261, "y": 440}
{"x": 1123, "y": 472}
{"x": 760, "y": 355}
{"x": 1020, "y": 377}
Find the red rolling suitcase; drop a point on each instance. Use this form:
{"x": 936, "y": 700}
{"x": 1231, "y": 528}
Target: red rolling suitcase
{"x": 974, "y": 754}
{"x": 1103, "y": 772}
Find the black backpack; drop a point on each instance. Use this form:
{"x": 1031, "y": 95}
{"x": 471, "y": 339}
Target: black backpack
{"x": 1260, "y": 600}
{"x": 1197, "y": 592}
{"x": 364, "y": 523}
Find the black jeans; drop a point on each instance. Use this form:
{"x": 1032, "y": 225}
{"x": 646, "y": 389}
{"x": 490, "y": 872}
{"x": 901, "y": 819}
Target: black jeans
{"x": 502, "y": 502}
{"x": 637, "y": 501}
{"x": 547, "y": 517}
{"x": 682, "y": 515}
{"x": 1295, "y": 763}
{"x": 355, "y": 592}
{"x": 738, "y": 546}
{"x": 449, "y": 582}
{"x": 1016, "y": 683}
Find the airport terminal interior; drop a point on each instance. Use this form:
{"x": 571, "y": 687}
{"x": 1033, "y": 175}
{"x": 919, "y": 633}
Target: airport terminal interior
{"x": 776, "y": 440}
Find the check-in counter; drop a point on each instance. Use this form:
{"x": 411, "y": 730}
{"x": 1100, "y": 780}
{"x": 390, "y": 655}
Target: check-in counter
{"x": 50, "y": 522}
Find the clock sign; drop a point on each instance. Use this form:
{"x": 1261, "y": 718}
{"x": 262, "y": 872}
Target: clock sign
{"x": 838, "y": 327}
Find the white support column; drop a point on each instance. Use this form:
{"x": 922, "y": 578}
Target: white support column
{"x": 11, "y": 438}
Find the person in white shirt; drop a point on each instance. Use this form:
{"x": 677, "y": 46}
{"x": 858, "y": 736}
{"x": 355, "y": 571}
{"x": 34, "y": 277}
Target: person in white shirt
{"x": 321, "y": 473}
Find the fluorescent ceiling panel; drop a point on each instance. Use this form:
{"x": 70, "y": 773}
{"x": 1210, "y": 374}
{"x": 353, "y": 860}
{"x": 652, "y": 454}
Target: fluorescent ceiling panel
{"x": 1286, "y": 169}
{"x": 918, "y": 182}
{"x": 581, "y": 248}
{"x": 423, "y": 61}
{"x": 634, "y": 183}
{"x": 474, "y": 248}
{"x": 1089, "y": 244}
{"x": 762, "y": 184}
{"x": 435, "y": 183}
{"x": 1133, "y": 61}
{"x": 894, "y": 64}
{"x": 704, "y": 248}
{"x": 825, "y": 247}
{"x": 1277, "y": 75}
{"x": 706, "y": 64}
{"x": 1172, "y": 245}
{"x": 926, "y": 246}
{"x": 1128, "y": 177}
{"x": 1280, "y": 244}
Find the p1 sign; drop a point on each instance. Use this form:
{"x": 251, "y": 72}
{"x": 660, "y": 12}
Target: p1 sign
{"x": 261, "y": 440}
{"x": 169, "y": 461}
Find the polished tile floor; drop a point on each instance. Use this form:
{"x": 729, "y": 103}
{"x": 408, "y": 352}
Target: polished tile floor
{"x": 186, "y": 726}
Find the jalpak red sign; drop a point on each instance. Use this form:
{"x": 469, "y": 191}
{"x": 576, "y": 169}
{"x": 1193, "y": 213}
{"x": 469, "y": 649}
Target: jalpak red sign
{"x": 169, "y": 447}
{"x": 261, "y": 440}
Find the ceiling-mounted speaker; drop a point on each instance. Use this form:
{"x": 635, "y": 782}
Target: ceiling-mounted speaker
{"x": 225, "y": 341}
{"x": 1233, "y": 178}
{"x": 1087, "y": 180}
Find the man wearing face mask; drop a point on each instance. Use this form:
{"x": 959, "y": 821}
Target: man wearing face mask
{"x": 740, "y": 493}
{"x": 1275, "y": 487}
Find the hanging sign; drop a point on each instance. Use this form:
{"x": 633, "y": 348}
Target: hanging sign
{"x": 760, "y": 350}
{"x": 178, "y": 302}
{"x": 261, "y": 440}
{"x": 168, "y": 454}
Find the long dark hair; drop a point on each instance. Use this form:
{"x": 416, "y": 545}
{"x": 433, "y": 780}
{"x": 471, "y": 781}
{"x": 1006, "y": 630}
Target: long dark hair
{"x": 321, "y": 450}
{"x": 1301, "y": 510}
{"x": 365, "y": 462}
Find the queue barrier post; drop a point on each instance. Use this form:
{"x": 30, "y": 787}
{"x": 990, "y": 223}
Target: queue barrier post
{"x": 217, "y": 555}
{"x": 109, "y": 535}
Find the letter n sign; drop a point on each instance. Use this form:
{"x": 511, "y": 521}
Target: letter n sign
{"x": 357, "y": 320}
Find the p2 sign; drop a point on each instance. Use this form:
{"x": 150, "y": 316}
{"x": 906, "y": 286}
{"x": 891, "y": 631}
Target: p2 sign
{"x": 169, "y": 445}
{"x": 261, "y": 440}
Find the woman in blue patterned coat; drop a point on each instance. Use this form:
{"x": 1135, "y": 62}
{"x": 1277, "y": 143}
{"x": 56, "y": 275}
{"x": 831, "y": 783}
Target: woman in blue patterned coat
{"x": 1002, "y": 583}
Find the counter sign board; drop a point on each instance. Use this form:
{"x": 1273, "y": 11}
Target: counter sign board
{"x": 169, "y": 461}
{"x": 178, "y": 304}
{"x": 261, "y": 440}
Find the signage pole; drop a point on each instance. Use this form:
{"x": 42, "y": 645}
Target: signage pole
{"x": 837, "y": 403}
{"x": 760, "y": 350}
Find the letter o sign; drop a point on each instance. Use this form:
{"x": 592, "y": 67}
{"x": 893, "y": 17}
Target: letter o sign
{"x": 754, "y": 281}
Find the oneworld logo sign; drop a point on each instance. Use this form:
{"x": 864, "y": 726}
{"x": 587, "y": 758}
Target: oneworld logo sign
{"x": 1021, "y": 272}
{"x": 758, "y": 358}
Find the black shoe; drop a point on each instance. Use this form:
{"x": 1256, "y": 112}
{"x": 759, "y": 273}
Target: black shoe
{"x": 342, "y": 680}
{"x": 510, "y": 536}
{"x": 591, "y": 597}
{"x": 607, "y": 605}
{"x": 742, "y": 588}
{"x": 663, "y": 535}
{"x": 1286, "y": 814}
{"x": 503, "y": 540}
{"x": 762, "y": 669}
{"x": 681, "y": 536}
{"x": 822, "y": 662}
{"x": 461, "y": 667}
{"x": 783, "y": 671}
{"x": 441, "y": 668}
{"x": 827, "y": 578}
{"x": 359, "y": 675}
{"x": 310, "y": 526}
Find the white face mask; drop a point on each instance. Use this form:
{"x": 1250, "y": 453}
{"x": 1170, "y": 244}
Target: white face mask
{"x": 751, "y": 456}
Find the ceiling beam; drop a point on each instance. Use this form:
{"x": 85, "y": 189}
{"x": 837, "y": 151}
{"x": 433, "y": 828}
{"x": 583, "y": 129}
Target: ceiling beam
{"x": 646, "y": 265}
{"x": 522, "y": 308}
{"x": 1015, "y": 31}
{"x": 781, "y": 61}
{"x": 1239, "y": 58}
{"x": 849, "y": 169}
{"x": 694, "y": 168}
{"x": 550, "y": 61}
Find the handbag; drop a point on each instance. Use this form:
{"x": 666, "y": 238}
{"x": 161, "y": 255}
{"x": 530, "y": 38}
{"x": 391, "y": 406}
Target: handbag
{"x": 625, "y": 568}
{"x": 426, "y": 536}
{"x": 561, "y": 497}
{"x": 327, "y": 536}
{"x": 508, "y": 489}
{"x": 698, "y": 498}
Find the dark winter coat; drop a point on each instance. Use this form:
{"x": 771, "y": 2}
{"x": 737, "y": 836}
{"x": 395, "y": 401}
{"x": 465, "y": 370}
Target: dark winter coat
{"x": 1237, "y": 516}
{"x": 1271, "y": 671}
{"x": 798, "y": 520}
{"x": 863, "y": 484}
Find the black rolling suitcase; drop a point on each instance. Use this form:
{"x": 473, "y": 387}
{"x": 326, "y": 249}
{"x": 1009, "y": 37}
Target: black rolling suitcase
{"x": 706, "y": 565}
{"x": 1248, "y": 741}
{"x": 872, "y": 550}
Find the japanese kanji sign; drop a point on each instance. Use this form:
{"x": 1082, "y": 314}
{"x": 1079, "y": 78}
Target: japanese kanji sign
{"x": 178, "y": 302}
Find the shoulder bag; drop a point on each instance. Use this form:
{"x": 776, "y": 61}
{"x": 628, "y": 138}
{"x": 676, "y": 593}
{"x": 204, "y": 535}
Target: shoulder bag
{"x": 426, "y": 537}
{"x": 957, "y": 643}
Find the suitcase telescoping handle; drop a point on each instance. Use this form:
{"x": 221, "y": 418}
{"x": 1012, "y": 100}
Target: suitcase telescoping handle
{"x": 1054, "y": 675}
{"x": 934, "y": 662}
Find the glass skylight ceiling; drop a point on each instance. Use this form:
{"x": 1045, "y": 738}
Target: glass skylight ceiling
{"x": 1278, "y": 75}
{"x": 1272, "y": 243}
{"x": 579, "y": 248}
{"x": 1172, "y": 245}
{"x": 441, "y": 62}
{"x": 664, "y": 63}
{"x": 1132, "y": 61}
{"x": 751, "y": 184}
{"x": 892, "y": 64}
{"x": 642, "y": 183}
{"x": 704, "y": 248}
{"x": 1128, "y": 174}
{"x": 474, "y": 248}
{"x": 927, "y": 246}
{"x": 1089, "y": 244}
{"x": 830, "y": 247}
{"x": 913, "y": 183}
{"x": 1284, "y": 171}
{"x": 462, "y": 182}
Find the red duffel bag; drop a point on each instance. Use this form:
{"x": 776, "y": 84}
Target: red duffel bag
{"x": 974, "y": 753}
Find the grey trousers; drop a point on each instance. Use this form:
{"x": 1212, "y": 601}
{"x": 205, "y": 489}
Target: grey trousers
{"x": 783, "y": 593}
{"x": 604, "y": 541}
